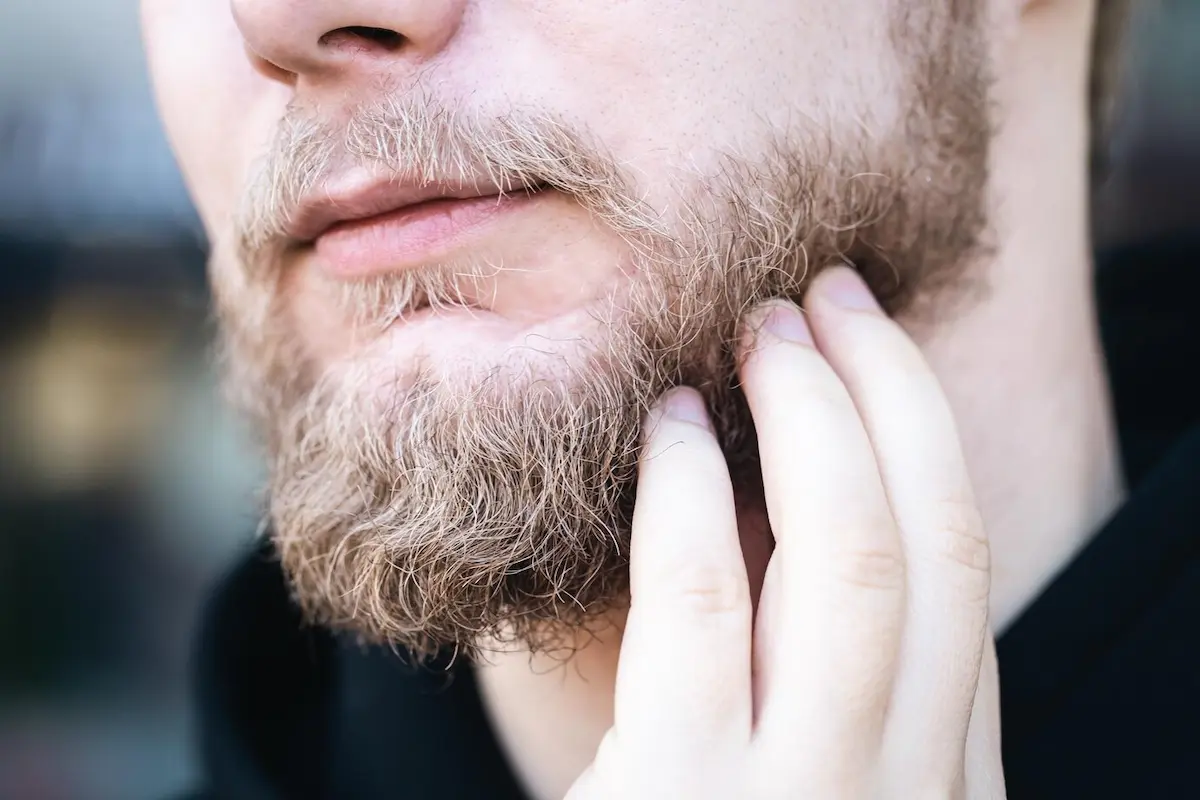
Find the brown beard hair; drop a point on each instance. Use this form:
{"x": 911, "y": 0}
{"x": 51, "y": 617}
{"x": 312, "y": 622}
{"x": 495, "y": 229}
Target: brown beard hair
{"x": 499, "y": 508}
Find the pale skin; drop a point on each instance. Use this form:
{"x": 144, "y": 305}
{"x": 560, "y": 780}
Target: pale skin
{"x": 1019, "y": 371}
{"x": 1023, "y": 374}
{"x": 867, "y": 669}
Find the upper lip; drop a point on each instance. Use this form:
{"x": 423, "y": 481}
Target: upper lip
{"x": 327, "y": 207}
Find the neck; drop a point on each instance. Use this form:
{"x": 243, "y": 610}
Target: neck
{"x": 1024, "y": 373}
{"x": 1023, "y": 367}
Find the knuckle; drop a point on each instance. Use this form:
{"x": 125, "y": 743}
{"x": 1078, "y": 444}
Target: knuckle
{"x": 964, "y": 543}
{"x": 872, "y": 568}
{"x": 705, "y": 589}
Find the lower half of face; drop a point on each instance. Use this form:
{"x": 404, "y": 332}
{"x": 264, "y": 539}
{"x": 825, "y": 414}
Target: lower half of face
{"x": 452, "y": 395}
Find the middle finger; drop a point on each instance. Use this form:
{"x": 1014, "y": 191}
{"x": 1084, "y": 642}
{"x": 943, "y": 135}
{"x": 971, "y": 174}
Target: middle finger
{"x": 839, "y": 557}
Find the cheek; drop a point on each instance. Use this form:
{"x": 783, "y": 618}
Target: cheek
{"x": 674, "y": 86}
{"x": 218, "y": 113}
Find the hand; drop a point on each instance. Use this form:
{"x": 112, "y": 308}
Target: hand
{"x": 870, "y": 669}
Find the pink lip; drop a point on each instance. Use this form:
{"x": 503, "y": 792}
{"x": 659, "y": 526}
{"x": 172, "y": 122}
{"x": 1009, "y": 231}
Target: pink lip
{"x": 409, "y": 236}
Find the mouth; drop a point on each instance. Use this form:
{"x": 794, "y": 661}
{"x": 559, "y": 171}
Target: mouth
{"x": 410, "y": 234}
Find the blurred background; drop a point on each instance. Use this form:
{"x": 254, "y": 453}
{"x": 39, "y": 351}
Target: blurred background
{"x": 125, "y": 487}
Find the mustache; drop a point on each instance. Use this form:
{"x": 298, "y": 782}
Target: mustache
{"x": 420, "y": 140}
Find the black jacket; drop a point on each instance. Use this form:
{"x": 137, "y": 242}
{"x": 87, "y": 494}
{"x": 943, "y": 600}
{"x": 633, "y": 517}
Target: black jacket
{"x": 1100, "y": 677}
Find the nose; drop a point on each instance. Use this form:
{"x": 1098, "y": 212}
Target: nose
{"x": 317, "y": 38}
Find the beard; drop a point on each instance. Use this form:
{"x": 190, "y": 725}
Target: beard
{"x": 430, "y": 513}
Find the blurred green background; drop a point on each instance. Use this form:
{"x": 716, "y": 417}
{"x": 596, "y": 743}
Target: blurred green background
{"x": 125, "y": 486}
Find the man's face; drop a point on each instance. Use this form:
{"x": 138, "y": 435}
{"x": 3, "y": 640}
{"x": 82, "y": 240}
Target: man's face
{"x": 460, "y": 245}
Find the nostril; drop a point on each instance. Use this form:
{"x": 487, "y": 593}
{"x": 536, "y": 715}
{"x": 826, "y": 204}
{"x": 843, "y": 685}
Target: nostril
{"x": 364, "y": 37}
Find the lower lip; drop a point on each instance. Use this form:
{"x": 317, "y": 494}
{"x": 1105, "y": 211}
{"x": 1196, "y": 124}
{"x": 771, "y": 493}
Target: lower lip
{"x": 410, "y": 237}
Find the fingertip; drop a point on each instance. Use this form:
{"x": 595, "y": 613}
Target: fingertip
{"x": 684, "y": 404}
{"x": 843, "y": 288}
{"x": 779, "y": 318}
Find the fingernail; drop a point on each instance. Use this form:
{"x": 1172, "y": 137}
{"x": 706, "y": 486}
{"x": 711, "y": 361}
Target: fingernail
{"x": 686, "y": 405}
{"x": 845, "y": 288}
{"x": 786, "y": 321}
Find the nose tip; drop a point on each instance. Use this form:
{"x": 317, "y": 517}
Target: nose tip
{"x": 296, "y": 39}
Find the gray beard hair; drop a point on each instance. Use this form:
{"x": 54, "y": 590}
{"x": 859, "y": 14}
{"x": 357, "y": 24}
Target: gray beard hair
{"x": 498, "y": 508}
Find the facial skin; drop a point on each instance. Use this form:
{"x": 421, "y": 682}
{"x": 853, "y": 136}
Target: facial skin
{"x": 469, "y": 470}
{"x": 466, "y": 475}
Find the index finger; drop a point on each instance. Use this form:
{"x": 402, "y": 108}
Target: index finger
{"x": 683, "y": 678}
